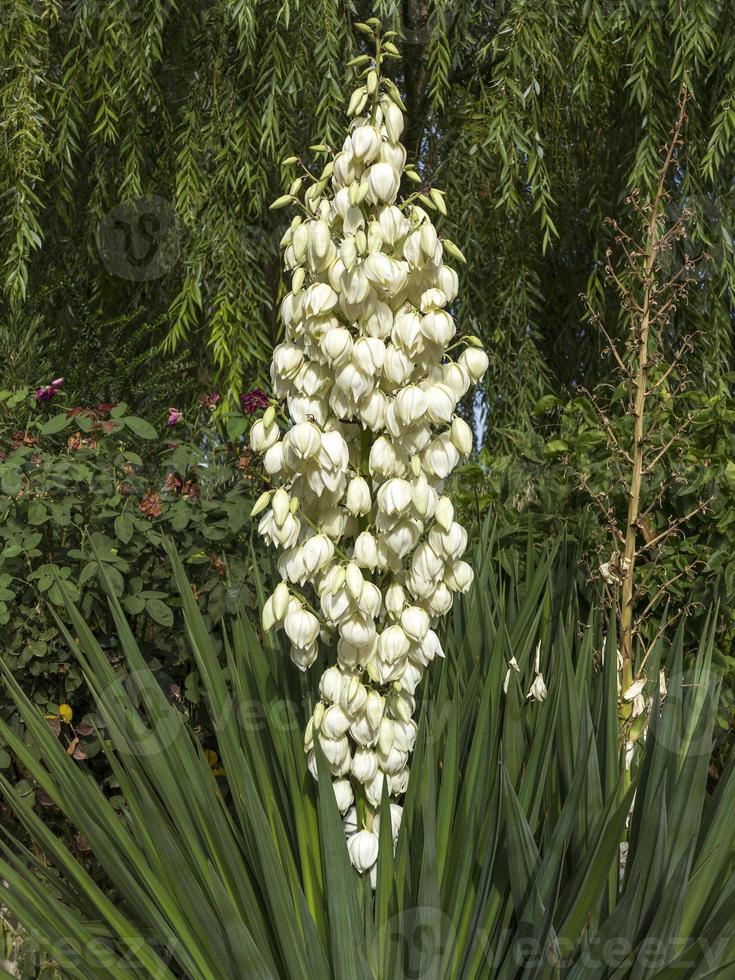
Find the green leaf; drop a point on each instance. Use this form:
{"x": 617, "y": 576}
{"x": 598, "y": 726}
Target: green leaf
{"x": 140, "y": 427}
{"x": 134, "y": 604}
{"x": 159, "y": 612}
{"x": 37, "y": 513}
{"x": 237, "y": 425}
{"x": 124, "y": 528}
{"x": 55, "y": 424}
{"x": 11, "y": 481}
{"x": 555, "y": 446}
{"x": 340, "y": 879}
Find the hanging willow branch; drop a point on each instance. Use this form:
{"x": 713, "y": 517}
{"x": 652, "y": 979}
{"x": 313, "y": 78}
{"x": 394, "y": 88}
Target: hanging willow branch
{"x": 536, "y": 117}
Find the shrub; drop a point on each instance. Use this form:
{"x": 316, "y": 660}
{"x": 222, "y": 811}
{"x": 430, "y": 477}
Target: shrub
{"x": 84, "y": 485}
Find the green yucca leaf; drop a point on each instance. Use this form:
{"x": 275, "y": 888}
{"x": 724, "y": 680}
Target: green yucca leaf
{"x": 431, "y": 918}
{"x": 511, "y": 828}
{"x": 341, "y": 890}
{"x": 383, "y": 953}
{"x": 273, "y": 878}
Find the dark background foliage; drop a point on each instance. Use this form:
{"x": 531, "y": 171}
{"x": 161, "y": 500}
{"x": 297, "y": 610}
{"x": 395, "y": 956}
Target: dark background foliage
{"x": 140, "y": 142}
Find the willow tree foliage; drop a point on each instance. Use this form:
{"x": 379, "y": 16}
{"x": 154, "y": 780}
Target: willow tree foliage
{"x": 134, "y": 118}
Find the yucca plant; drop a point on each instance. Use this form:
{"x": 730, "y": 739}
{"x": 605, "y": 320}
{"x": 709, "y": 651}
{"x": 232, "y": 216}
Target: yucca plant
{"x": 522, "y": 852}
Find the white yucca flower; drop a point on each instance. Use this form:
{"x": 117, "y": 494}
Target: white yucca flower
{"x": 370, "y": 551}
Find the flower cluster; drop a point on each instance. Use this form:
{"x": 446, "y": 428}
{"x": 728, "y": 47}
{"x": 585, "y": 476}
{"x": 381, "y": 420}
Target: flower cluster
{"x": 370, "y": 551}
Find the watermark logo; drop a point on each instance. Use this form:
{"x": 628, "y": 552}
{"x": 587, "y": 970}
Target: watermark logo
{"x": 416, "y": 941}
{"x": 139, "y": 239}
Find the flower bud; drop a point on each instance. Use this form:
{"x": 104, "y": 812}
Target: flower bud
{"x": 273, "y": 460}
{"x": 394, "y": 497}
{"x": 415, "y": 623}
{"x": 458, "y": 576}
{"x": 330, "y": 686}
{"x": 358, "y": 497}
{"x": 337, "y": 346}
{"x": 302, "y": 627}
{"x": 366, "y": 551}
{"x": 475, "y": 362}
{"x": 261, "y": 503}
{"x": 280, "y": 600}
{"x": 268, "y": 618}
{"x": 280, "y": 506}
{"x": 354, "y": 580}
{"x": 383, "y": 182}
{"x": 393, "y": 121}
{"x": 366, "y": 143}
{"x": 262, "y": 438}
{"x": 343, "y": 794}
{"x": 335, "y": 722}
{"x": 395, "y": 599}
{"x": 363, "y": 850}
{"x": 462, "y": 436}
{"x": 444, "y": 513}
{"x": 364, "y": 765}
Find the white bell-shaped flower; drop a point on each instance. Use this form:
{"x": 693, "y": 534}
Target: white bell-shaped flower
{"x": 363, "y": 850}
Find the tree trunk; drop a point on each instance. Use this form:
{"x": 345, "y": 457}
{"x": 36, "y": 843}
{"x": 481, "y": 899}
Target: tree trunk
{"x": 415, "y": 72}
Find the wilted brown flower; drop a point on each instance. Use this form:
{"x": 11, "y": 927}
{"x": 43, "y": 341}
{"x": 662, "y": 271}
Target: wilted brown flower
{"x": 124, "y": 488}
{"x": 209, "y": 401}
{"x": 150, "y": 505}
{"x": 173, "y": 483}
{"x": 78, "y": 441}
{"x": 23, "y": 438}
{"x": 192, "y": 490}
{"x": 217, "y": 564}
